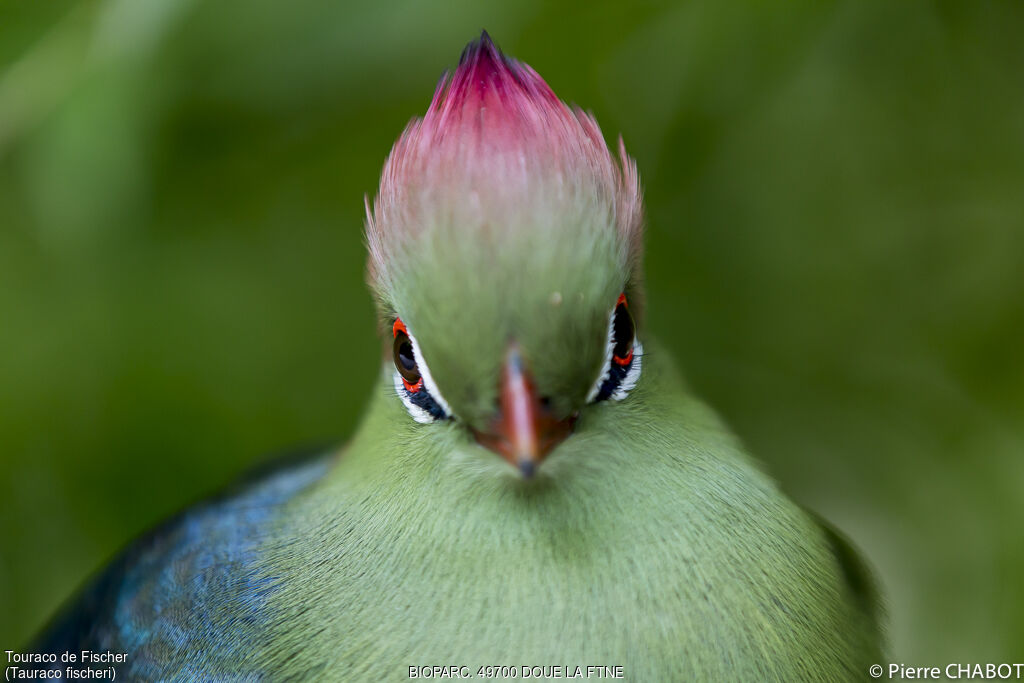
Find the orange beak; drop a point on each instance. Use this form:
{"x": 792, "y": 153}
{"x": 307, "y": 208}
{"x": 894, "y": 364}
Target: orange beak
{"x": 524, "y": 432}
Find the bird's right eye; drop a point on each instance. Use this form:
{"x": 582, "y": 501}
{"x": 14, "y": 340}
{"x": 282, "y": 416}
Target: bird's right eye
{"x": 413, "y": 383}
{"x": 622, "y": 361}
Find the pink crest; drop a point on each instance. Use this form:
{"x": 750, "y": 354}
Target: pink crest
{"x": 496, "y": 136}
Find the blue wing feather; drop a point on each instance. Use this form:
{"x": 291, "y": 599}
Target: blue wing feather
{"x": 186, "y": 601}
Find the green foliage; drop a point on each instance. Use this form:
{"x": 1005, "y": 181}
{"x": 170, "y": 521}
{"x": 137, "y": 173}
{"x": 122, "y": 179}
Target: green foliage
{"x": 835, "y": 250}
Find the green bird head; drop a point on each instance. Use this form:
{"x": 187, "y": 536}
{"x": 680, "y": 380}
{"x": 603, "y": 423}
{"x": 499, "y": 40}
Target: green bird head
{"x": 505, "y": 249}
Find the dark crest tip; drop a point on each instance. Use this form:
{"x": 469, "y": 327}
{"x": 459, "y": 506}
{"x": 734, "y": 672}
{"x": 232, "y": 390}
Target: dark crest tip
{"x": 482, "y": 47}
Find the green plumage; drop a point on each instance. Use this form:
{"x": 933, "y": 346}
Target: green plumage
{"x": 649, "y": 539}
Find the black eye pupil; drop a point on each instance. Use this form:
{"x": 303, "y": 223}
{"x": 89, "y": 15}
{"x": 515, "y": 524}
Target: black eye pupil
{"x": 405, "y": 360}
{"x": 623, "y": 331}
{"x": 405, "y": 356}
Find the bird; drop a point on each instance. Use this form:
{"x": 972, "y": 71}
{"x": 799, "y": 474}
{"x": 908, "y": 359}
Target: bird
{"x": 532, "y": 484}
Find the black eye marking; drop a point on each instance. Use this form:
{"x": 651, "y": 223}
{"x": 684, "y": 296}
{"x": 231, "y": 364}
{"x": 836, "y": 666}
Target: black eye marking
{"x": 622, "y": 365}
{"x": 623, "y": 332}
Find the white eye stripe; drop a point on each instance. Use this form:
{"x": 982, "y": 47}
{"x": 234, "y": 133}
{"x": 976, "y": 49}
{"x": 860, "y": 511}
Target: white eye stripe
{"x": 417, "y": 412}
{"x": 623, "y": 383}
{"x": 633, "y": 376}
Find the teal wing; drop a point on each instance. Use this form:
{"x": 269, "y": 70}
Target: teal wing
{"x": 186, "y": 601}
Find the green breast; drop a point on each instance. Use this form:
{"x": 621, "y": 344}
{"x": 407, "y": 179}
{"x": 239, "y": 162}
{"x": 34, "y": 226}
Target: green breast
{"x": 648, "y": 541}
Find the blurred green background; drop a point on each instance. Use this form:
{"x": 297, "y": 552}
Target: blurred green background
{"x": 835, "y": 252}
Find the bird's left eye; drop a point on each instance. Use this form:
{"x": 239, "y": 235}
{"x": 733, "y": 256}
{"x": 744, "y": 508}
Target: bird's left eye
{"x": 621, "y": 368}
{"x": 405, "y": 360}
{"x": 413, "y": 382}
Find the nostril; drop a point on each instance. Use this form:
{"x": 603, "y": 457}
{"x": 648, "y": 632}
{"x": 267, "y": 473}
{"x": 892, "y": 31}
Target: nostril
{"x": 545, "y": 402}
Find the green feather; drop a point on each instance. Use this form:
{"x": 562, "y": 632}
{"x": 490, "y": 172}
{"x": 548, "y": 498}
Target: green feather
{"x": 552, "y": 291}
{"x": 649, "y": 539}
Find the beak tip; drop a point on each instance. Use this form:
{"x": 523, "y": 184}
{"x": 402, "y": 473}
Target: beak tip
{"x": 527, "y": 468}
